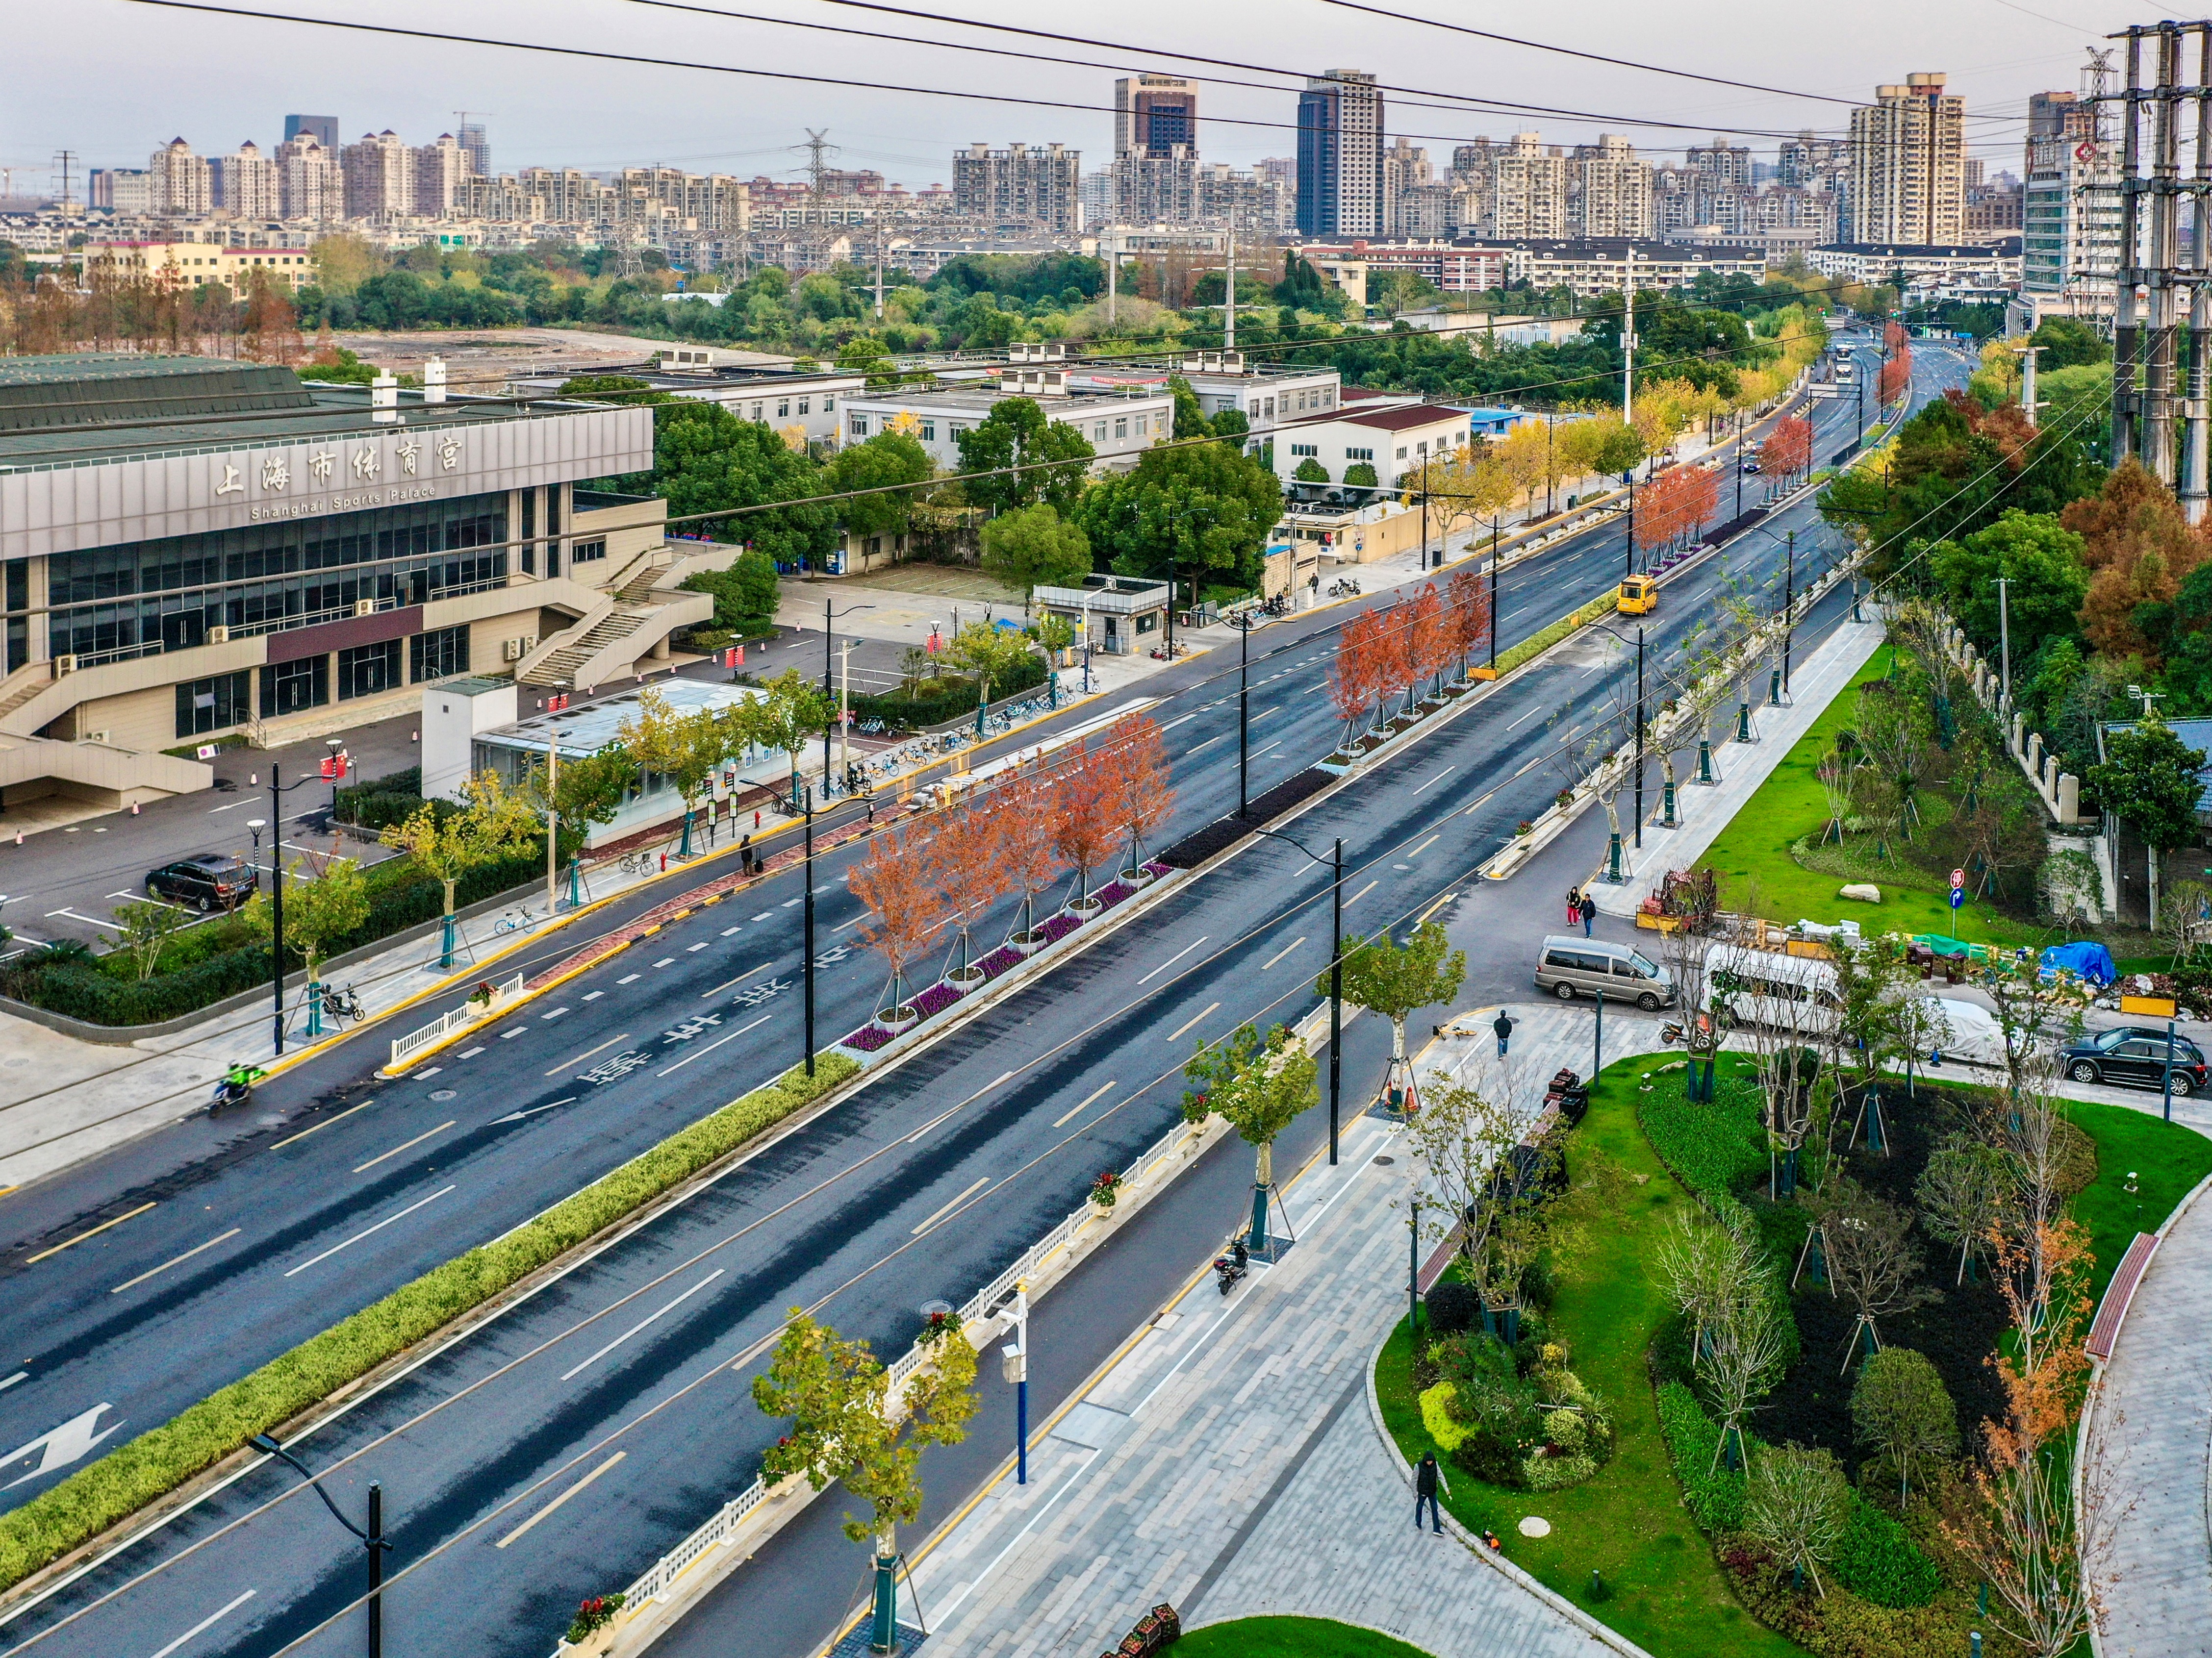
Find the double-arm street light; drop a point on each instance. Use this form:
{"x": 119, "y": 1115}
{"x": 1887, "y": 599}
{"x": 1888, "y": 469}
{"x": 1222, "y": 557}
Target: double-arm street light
{"x": 372, "y": 1539}
{"x": 829, "y": 615}
{"x": 1335, "y": 865}
{"x": 276, "y": 793}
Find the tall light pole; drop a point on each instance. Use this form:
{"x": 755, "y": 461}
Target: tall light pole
{"x": 1015, "y": 1356}
{"x": 372, "y": 1539}
{"x": 552, "y": 820}
{"x": 807, "y": 804}
{"x": 829, "y": 615}
{"x": 2004, "y": 646}
{"x": 1244, "y": 715}
{"x": 1335, "y": 865}
{"x": 1639, "y": 724}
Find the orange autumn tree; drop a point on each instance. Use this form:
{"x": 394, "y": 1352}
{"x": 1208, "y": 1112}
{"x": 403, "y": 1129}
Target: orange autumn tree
{"x": 1789, "y": 447}
{"x": 1022, "y": 810}
{"x": 1082, "y": 821}
{"x": 1660, "y": 515}
{"x": 1468, "y": 603}
{"x": 896, "y": 882}
{"x": 1351, "y": 676}
{"x": 966, "y": 866}
{"x": 1429, "y": 642}
{"x": 2140, "y": 548}
{"x": 1138, "y": 795}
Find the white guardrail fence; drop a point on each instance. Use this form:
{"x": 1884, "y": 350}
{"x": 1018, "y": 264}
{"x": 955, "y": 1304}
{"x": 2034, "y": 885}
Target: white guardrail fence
{"x": 415, "y": 1041}
{"x": 1175, "y": 1146}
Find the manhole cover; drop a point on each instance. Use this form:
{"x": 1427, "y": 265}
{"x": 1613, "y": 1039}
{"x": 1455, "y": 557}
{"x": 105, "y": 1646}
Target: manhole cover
{"x": 1534, "y": 1525}
{"x": 442, "y": 1094}
{"x": 1384, "y": 1162}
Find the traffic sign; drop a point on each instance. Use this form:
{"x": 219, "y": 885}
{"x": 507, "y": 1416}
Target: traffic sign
{"x": 1957, "y": 896}
{"x": 1958, "y": 877}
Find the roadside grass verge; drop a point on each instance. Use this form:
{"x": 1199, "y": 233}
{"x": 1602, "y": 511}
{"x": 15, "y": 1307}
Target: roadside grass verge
{"x": 1291, "y": 1637}
{"x": 1541, "y": 640}
{"x": 143, "y": 1469}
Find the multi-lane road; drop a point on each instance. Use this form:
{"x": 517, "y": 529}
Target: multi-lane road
{"x": 233, "y": 1241}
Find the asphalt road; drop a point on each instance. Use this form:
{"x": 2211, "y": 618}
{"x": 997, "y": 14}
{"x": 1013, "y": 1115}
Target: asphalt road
{"x": 920, "y": 1186}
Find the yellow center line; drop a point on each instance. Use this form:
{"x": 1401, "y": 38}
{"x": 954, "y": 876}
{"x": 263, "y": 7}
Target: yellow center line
{"x": 321, "y": 1126}
{"x": 396, "y": 1150}
{"x": 950, "y": 1206}
{"x": 1085, "y": 1105}
{"x": 559, "y": 1500}
{"x": 81, "y": 1236}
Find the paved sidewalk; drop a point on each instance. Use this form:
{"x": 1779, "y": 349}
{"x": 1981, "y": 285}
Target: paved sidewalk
{"x": 1704, "y": 811}
{"x": 1228, "y": 1462}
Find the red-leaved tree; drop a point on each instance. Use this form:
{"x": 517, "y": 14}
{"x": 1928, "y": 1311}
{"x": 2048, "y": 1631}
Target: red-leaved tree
{"x": 1082, "y": 821}
{"x": 967, "y": 866}
{"x": 1896, "y": 375}
{"x": 1467, "y": 600}
{"x": 1138, "y": 795}
{"x": 1352, "y": 678}
{"x": 1789, "y": 447}
{"x": 907, "y": 907}
{"x": 1428, "y": 644}
{"x": 1022, "y": 810}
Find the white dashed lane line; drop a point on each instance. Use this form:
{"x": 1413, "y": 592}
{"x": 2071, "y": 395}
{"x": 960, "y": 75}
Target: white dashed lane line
{"x": 628, "y": 978}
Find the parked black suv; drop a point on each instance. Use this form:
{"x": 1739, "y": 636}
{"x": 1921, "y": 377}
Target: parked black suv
{"x": 214, "y": 880}
{"x": 2137, "y": 1055}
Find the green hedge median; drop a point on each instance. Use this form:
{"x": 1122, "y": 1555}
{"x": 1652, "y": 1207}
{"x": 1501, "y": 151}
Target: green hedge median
{"x": 162, "y": 1459}
{"x": 1536, "y": 644}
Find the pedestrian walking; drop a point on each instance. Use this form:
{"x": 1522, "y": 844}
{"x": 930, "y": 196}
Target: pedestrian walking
{"x": 745, "y": 854}
{"x": 1428, "y": 1474}
{"x": 1588, "y": 912}
{"x": 1574, "y": 904}
{"x": 1504, "y": 1027}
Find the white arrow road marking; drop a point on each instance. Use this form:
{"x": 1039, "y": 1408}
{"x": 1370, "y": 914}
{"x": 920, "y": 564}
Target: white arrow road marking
{"x": 61, "y": 1446}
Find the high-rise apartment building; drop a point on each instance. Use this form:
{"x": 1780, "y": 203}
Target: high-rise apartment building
{"x": 1029, "y": 186}
{"x": 1528, "y": 189}
{"x": 1157, "y": 112}
{"x": 1908, "y": 165}
{"x": 1811, "y": 162}
{"x": 1154, "y": 186}
{"x": 1405, "y": 170}
{"x": 323, "y": 128}
{"x": 2069, "y": 209}
{"x": 1340, "y": 155}
{"x": 440, "y": 167}
{"x": 178, "y": 185}
{"x": 1720, "y": 163}
{"x": 379, "y": 176}
{"x": 1613, "y": 190}
{"x": 309, "y": 185}
{"x": 476, "y": 144}
{"x": 122, "y": 191}
{"x": 246, "y": 183}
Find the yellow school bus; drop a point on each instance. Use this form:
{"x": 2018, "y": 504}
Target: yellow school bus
{"x": 1640, "y": 595}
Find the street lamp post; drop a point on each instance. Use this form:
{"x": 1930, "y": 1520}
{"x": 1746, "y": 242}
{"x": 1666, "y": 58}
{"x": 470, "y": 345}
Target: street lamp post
{"x": 1496, "y": 555}
{"x": 1629, "y": 478}
{"x": 1639, "y": 738}
{"x": 1016, "y": 1357}
{"x": 372, "y": 1539}
{"x": 1243, "y": 711}
{"x": 1335, "y": 865}
{"x": 277, "y": 793}
{"x": 807, "y": 807}
{"x": 1789, "y": 603}
{"x": 829, "y": 615}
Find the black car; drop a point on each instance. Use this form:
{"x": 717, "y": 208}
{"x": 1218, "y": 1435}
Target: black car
{"x": 214, "y": 880}
{"x": 2137, "y": 1055}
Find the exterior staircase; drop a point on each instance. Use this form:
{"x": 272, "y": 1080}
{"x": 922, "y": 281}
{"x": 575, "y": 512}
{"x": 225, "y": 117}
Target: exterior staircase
{"x": 559, "y": 667}
{"x": 22, "y": 685}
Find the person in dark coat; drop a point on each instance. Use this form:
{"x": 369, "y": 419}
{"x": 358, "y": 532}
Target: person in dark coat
{"x": 1428, "y": 1474}
{"x": 1504, "y": 1027}
{"x": 1588, "y": 912}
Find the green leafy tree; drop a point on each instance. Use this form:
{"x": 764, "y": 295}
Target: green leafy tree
{"x": 1902, "y": 1414}
{"x": 846, "y": 1427}
{"x": 2151, "y": 779}
{"x": 1033, "y": 547}
{"x": 2070, "y": 342}
{"x": 1361, "y": 475}
{"x": 865, "y": 354}
{"x": 1394, "y": 979}
{"x": 795, "y": 709}
{"x": 2046, "y": 578}
{"x": 995, "y": 655}
{"x": 1190, "y": 420}
{"x": 746, "y": 594}
{"x": 612, "y": 388}
{"x": 686, "y": 747}
{"x": 589, "y": 790}
{"x": 148, "y": 926}
{"x": 1258, "y": 1086}
{"x": 1232, "y": 426}
{"x": 1203, "y": 508}
{"x": 493, "y": 821}
{"x": 1018, "y": 433}
{"x": 1310, "y": 471}
{"x": 324, "y": 900}
{"x": 1798, "y": 1504}
{"x": 707, "y": 460}
{"x": 887, "y": 459}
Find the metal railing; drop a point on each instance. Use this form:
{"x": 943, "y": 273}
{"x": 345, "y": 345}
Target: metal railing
{"x": 1173, "y": 1147}
{"x": 416, "y": 1040}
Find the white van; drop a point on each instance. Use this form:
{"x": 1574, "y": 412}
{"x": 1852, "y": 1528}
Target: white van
{"x": 1572, "y": 967}
{"x": 1796, "y": 993}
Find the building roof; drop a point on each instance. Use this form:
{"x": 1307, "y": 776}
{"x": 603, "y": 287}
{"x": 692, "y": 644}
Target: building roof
{"x": 2007, "y": 247}
{"x": 2194, "y": 734}
{"x": 80, "y": 409}
{"x": 1385, "y": 420}
{"x": 585, "y": 729}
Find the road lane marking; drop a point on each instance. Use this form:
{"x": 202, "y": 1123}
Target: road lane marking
{"x": 650, "y": 1318}
{"x": 215, "y": 1618}
{"x": 1208, "y": 743}
{"x": 766, "y": 915}
{"x": 13, "y": 1380}
{"x": 842, "y": 926}
{"x": 173, "y": 1261}
{"x": 518, "y": 1030}
{"x": 950, "y": 1206}
{"x": 579, "y": 1058}
{"x": 379, "y": 1227}
{"x": 1171, "y": 960}
{"x": 729, "y": 931}
{"x": 385, "y": 1156}
{"x": 1172, "y": 723}
{"x": 469, "y": 1053}
{"x": 786, "y": 904}
{"x": 712, "y": 1046}
{"x": 423, "y": 1075}
{"x": 1438, "y": 778}
{"x": 628, "y": 978}
{"x": 234, "y": 805}
{"x": 1003, "y": 1076}
{"x": 81, "y": 1236}
{"x": 517, "y": 1116}
{"x": 559, "y": 1500}
{"x": 554, "y": 1014}
{"x": 750, "y": 972}
{"x": 1434, "y": 908}
{"x": 1280, "y": 954}
{"x": 1178, "y": 1035}
{"x": 1426, "y": 844}
{"x": 1085, "y": 1105}
{"x": 321, "y": 1126}
{"x": 688, "y": 949}
{"x": 1362, "y": 893}
{"x": 664, "y": 961}
{"x": 594, "y": 995}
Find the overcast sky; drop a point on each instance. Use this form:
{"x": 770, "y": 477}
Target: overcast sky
{"x": 110, "y": 79}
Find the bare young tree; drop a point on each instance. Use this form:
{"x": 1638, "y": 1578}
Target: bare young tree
{"x": 1484, "y": 1162}
{"x": 1872, "y": 1261}
{"x": 1965, "y": 1191}
{"x": 1798, "y": 1503}
{"x": 1781, "y": 1038}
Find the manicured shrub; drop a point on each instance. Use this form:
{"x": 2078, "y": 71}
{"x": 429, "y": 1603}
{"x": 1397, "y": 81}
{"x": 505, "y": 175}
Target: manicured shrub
{"x": 1437, "y": 1418}
{"x": 1879, "y": 1560}
{"x": 1715, "y": 1149}
{"x": 1451, "y": 1306}
{"x": 1714, "y": 1492}
{"x": 159, "y": 1460}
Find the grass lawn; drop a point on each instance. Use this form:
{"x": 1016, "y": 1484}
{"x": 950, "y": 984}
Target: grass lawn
{"x": 1663, "y": 1589}
{"x": 2169, "y": 1159}
{"x": 1754, "y": 848}
{"x": 1291, "y": 1637}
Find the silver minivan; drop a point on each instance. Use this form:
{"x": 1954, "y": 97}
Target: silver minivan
{"x": 1572, "y": 967}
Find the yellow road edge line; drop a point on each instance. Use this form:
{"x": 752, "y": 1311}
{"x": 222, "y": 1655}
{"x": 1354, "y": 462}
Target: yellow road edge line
{"x": 81, "y": 1236}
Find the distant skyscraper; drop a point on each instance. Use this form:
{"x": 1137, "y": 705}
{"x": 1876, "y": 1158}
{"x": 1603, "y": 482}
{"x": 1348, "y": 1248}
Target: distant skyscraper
{"x": 1340, "y": 155}
{"x": 1908, "y": 165}
{"x": 1613, "y": 196}
{"x": 247, "y": 184}
{"x": 1156, "y": 110}
{"x": 1528, "y": 189}
{"x": 476, "y": 144}
{"x": 179, "y": 182}
{"x": 1022, "y": 187}
{"x": 325, "y": 128}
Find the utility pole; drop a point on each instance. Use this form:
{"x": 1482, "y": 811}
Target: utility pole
{"x": 807, "y": 804}
{"x": 1244, "y": 716}
{"x": 1228, "y": 292}
{"x": 1789, "y": 603}
{"x": 1113, "y": 274}
{"x": 879, "y": 271}
{"x": 845, "y": 707}
{"x": 65, "y": 164}
{"x": 552, "y": 821}
{"x": 2004, "y": 649}
{"x": 1628, "y": 345}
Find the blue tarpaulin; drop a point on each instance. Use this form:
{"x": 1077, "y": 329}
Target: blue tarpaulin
{"x": 2091, "y": 962}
